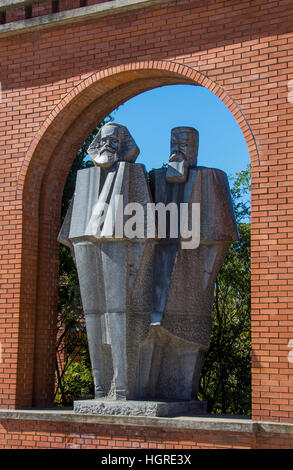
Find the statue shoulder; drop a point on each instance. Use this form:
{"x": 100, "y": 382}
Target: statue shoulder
{"x": 157, "y": 179}
{"x": 88, "y": 170}
{"x": 208, "y": 170}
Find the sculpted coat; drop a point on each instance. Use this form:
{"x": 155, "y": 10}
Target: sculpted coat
{"x": 114, "y": 271}
{"x": 147, "y": 299}
{"x": 183, "y": 288}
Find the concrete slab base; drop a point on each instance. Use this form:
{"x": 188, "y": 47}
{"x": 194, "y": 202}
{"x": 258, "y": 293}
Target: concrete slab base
{"x": 140, "y": 408}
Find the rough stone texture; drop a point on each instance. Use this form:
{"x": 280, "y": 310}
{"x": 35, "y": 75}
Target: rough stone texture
{"x": 183, "y": 153}
{"x": 138, "y": 408}
{"x": 115, "y": 274}
{"x": 184, "y": 282}
{"x": 149, "y": 300}
{"x": 113, "y": 143}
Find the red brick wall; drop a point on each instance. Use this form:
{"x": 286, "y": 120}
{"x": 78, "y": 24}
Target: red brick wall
{"x": 23, "y": 434}
{"x": 42, "y": 8}
{"x": 14, "y": 14}
{"x": 46, "y": 8}
{"x": 57, "y": 83}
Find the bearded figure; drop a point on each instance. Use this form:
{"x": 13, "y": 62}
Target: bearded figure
{"x": 185, "y": 272}
{"x": 147, "y": 295}
{"x": 113, "y": 264}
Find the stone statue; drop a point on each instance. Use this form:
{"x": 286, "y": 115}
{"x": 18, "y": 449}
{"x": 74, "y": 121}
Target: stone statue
{"x": 183, "y": 286}
{"x": 113, "y": 269}
{"x": 147, "y": 296}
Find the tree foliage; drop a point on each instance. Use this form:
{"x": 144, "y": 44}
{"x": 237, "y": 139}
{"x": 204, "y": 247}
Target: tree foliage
{"x": 225, "y": 379}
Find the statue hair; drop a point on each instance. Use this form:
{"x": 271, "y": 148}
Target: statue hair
{"x": 128, "y": 150}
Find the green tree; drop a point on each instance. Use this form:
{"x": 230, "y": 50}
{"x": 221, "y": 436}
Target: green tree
{"x": 225, "y": 378}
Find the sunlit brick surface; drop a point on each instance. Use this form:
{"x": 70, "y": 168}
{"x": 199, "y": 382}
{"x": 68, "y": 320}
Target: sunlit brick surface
{"x": 57, "y": 83}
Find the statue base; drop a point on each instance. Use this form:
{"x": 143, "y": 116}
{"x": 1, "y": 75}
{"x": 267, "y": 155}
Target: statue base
{"x": 160, "y": 408}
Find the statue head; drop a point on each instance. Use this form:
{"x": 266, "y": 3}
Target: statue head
{"x": 113, "y": 143}
{"x": 184, "y": 149}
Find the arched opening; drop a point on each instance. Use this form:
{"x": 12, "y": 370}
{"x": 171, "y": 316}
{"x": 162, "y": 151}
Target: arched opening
{"x": 226, "y": 375}
{"x": 150, "y": 116}
{"x": 40, "y": 188}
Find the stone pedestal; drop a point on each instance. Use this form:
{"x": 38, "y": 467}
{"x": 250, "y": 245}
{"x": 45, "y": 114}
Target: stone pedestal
{"x": 140, "y": 408}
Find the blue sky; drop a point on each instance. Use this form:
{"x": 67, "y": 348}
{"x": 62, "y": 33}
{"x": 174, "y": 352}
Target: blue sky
{"x": 150, "y": 117}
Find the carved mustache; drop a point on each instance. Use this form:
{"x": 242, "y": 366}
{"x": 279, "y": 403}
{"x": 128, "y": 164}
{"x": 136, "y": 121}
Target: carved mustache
{"x": 177, "y": 155}
{"x": 107, "y": 148}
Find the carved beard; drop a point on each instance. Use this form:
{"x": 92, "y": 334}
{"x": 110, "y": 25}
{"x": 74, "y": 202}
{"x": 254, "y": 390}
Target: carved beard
{"x": 106, "y": 158}
{"x": 177, "y": 171}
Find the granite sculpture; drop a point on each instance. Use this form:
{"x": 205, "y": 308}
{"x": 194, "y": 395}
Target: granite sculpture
{"x": 113, "y": 270}
{"x": 147, "y": 298}
{"x": 183, "y": 286}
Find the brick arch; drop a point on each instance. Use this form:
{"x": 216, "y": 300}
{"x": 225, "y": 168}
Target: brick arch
{"x": 123, "y": 80}
{"x": 40, "y": 187}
